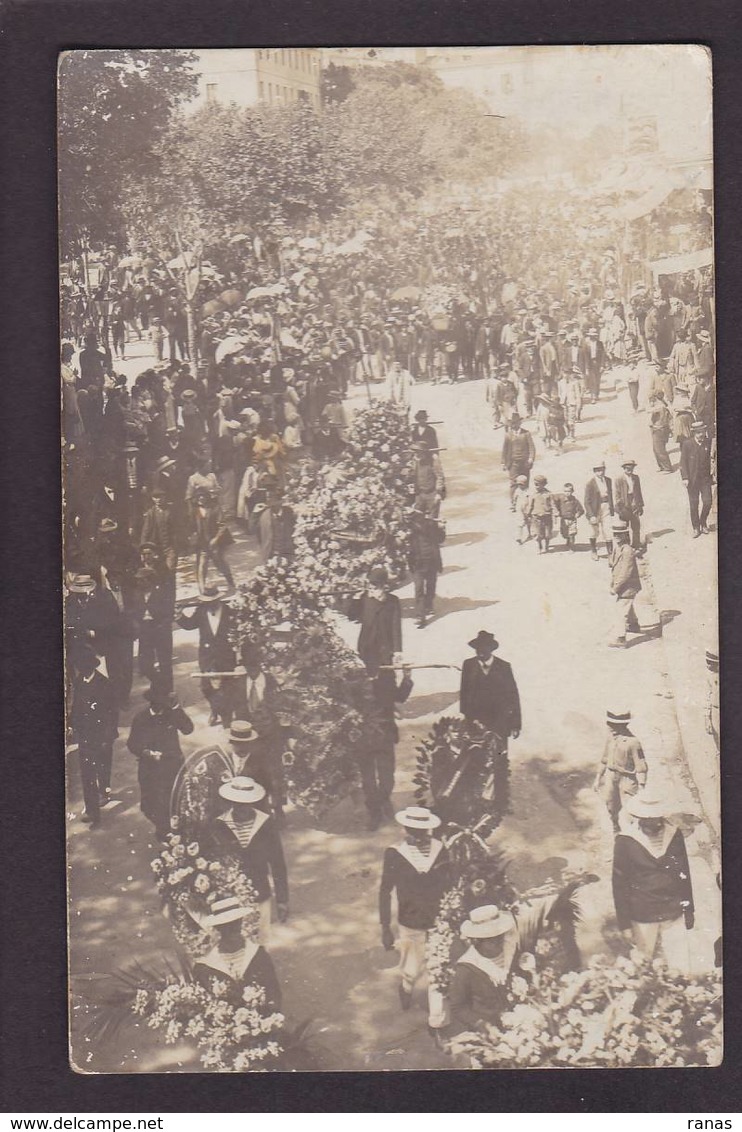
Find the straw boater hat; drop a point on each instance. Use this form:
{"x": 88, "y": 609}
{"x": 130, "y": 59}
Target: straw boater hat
{"x": 628, "y": 463}
{"x": 599, "y": 465}
{"x": 246, "y": 791}
{"x": 698, "y": 426}
{"x": 622, "y": 718}
{"x": 487, "y": 922}
{"x": 647, "y": 805}
{"x": 242, "y": 732}
{"x": 619, "y": 527}
{"x": 81, "y": 584}
{"x": 107, "y": 526}
{"x": 225, "y": 911}
{"x": 417, "y": 817}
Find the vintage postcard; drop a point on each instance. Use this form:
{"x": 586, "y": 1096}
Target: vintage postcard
{"x": 389, "y": 442}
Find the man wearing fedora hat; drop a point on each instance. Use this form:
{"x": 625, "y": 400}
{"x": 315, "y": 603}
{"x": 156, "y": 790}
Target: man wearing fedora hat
{"x": 629, "y": 501}
{"x": 652, "y": 888}
{"x": 379, "y": 613}
{"x": 252, "y": 836}
{"x": 695, "y": 471}
{"x": 625, "y": 584}
{"x": 426, "y": 535}
{"x": 623, "y": 768}
{"x": 422, "y": 432}
{"x": 417, "y": 869}
{"x": 154, "y": 741}
{"x": 489, "y": 693}
{"x": 213, "y": 620}
{"x": 599, "y": 508}
{"x": 428, "y": 477}
{"x": 242, "y": 961}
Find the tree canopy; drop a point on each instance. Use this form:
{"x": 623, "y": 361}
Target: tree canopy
{"x": 114, "y": 107}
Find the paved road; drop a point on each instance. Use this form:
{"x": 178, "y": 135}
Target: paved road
{"x": 551, "y": 615}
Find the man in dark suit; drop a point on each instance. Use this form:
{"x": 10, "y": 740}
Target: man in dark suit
{"x": 158, "y": 530}
{"x": 599, "y": 508}
{"x": 489, "y": 694}
{"x": 94, "y": 719}
{"x": 695, "y": 470}
{"x": 153, "y": 626}
{"x": 214, "y": 620}
{"x": 380, "y": 616}
{"x": 629, "y": 501}
{"x": 592, "y": 362}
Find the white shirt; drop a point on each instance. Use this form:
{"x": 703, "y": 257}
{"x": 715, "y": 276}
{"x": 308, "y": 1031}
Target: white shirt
{"x": 214, "y": 618}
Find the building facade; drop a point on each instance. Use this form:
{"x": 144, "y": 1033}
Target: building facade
{"x": 250, "y": 76}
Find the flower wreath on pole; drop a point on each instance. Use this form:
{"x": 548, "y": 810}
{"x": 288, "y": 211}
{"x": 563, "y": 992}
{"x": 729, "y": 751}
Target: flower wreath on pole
{"x": 462, "y": 773}
{"x": 189, "y": 881}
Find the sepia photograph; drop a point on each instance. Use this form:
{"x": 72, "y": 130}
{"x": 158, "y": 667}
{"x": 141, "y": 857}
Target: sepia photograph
{"x": 388, "y": 441}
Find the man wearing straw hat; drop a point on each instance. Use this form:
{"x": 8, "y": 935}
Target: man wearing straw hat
{"x": 652, "y": 888}
{"x": 623, "y": 768}
{"x": 236, "y": 956}
{"x": 252, "y": 837}
{"x": 417, "y": 870}
{"x": 478, "y": 990}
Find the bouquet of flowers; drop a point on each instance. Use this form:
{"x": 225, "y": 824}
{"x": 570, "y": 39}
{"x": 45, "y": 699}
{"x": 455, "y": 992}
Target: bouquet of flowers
{"x": 463, "y": 774}
{"x": 617, "y": 1013}
{"x": 230, "y": 1039}
{"x": 189, "y": 882}
{"x": 379, "y": 442}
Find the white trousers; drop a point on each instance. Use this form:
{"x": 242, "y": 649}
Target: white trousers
{"x": 264, "y": 925}
{"x": 670, "y": 937}
{"x": 412, "y": 964}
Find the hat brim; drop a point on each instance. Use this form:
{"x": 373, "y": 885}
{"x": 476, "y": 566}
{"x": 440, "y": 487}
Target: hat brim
{"x": 403, "y": 819}
{"x": 484, "y": 641}
{"x": 256, "y": 795}
{"x": 225, "y": 917}
{"x": 487, "y": 931}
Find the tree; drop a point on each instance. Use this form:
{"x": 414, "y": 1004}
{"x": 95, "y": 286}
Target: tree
{"x": 336, "y": 83}
{"x": 114, "y": 106}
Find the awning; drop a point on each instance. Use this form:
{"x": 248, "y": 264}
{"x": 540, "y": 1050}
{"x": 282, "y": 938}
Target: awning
{"x": 677, "y": 264}
{"x": 650, "y": 200}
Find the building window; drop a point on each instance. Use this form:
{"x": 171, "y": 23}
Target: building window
{"x": 507, "y": 84}
{"x": 283, "y": 57}
{"x": 270, "y": 92}
{"x": 261, "y": 91}
{"x": 211, "y": 92}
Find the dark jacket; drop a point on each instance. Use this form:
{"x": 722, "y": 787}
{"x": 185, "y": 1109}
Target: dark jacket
{"x": 260, "y": 973}
{"x": 215, "y": 652}
{"x": 625, "y": 580}
{"x": 159, "y": 732}
{"x": 157, "y": 528}
{"x": 592, "y": 496}
{"x": 490, "y": 698}
{"x": 262, "y": 859}
{"x": 94, "y": 715}
{"x": 381, "y": 629}
{"x": 418, "y": 894}
{"x": 518, "y": 449}
{"x": 426, "y": 536}
{"x": 651, "y": 889}
{"x": 695, "y": 463}
{"x": 156, "y": 604}
{"x": 627, "y": 505}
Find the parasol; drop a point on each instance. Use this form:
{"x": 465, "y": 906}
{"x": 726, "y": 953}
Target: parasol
{"x": 266, "y": 292}
{"x": 239, "y": 238}
{"x": 182, "y": 262}
{"x": 440, "y": 322}
{"x": 407, "y": 293}
{"x": 130, "y": 261}
{"x": 231, "y": 345}
{"x": 231, "y": 297}
{"x": 212, "y": 307}
{"x": 309, "y": 242}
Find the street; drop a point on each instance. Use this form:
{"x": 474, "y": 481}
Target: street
{"x": 551, "y": 615}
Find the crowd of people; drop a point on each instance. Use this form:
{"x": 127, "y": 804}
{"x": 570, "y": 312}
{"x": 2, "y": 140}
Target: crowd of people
{"x": 166, "y": 468}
